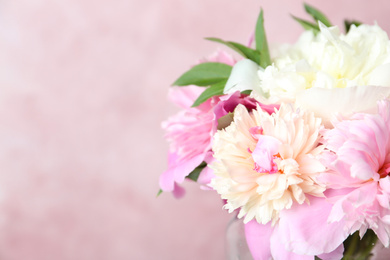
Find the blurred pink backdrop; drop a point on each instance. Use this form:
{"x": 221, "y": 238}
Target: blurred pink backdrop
{"x": 83, "y": 92}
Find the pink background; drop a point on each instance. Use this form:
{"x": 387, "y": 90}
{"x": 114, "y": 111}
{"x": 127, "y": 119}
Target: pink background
{"x": 83, "y": 91}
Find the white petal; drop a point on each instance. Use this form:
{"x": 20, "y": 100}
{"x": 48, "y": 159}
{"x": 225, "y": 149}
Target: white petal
{"x": 243, "y": 77}
{"x": 380, "y": 76}
{"x": 343, "y": 100}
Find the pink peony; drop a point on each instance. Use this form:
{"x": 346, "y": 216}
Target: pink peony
{"x": 189, "y": 133}
{"x": 358, "y": 159}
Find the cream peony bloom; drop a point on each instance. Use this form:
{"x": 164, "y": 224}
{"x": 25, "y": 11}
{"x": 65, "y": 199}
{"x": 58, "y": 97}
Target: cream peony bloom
{"x": 330, "y": 60}
{"x": 350, "y": 71}
{"x": 264, "y": 163}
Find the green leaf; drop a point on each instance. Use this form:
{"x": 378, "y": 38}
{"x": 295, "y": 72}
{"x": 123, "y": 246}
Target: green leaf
{"x": 317, "y": 15}
{"x": 204, "y": 74}
{"x": 307, "y": 25}
{"x": 261, "y": 42}
{"x": 348, "y": 24}
{"x": 159, "y": 192}
{"x": 246, "y": 92}
{"x": 194, "y": 175}
{"x": 244, "y": 51}
{"x": 214, "y": 90}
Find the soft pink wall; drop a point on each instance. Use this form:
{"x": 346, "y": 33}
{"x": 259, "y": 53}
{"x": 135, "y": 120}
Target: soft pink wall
{"x": 83, "y": 86}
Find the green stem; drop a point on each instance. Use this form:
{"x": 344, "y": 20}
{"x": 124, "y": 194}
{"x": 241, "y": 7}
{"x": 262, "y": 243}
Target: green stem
{"x": 359, "y": 249}
{"x": 370, "y": 243}
{"x": 351, "y": 246}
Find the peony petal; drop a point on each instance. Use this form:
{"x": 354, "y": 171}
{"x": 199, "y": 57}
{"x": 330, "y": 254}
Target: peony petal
{"x": 178, "y": 191}
{"x": 205, "y": 176}
{"x": 279, "y": 251}
{"x": 383, "y": 230}
{"x": 380, "y": 76}
{"x": 221, "y": 57}
{"x": 227, "y": 104}
{"x": 184, "y": 96}
{"x": 177, "y": 171}
{"x": 258, "y": 239}
{"x": 385, "y": 184}
{"x": 343, "y": 100}
{"x": 243, "y": 77}
{"x": 309, "y": 164}
{"x": 334, "y": 255}
{"x": 307, "y": 231}
{"x": 266, "y": 147}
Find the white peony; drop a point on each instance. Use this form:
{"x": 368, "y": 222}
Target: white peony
{"x": 330, "y": 60}
{"x": 332, "y": 66}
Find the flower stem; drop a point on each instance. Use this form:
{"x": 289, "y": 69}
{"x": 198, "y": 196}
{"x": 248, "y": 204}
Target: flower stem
{"x": 359, "y": 249}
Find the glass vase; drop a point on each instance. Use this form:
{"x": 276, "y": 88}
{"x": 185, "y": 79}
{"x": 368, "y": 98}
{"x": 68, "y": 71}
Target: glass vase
{"x": 236, "y": 246}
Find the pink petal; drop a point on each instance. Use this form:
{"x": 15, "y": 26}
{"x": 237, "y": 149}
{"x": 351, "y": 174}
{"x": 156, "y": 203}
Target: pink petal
{"x": 205, "y": 176}
{"x": 279, "y": 251}
{"x": 266, "y": 147}
{"x": 178, "y": 191}
{"x": 385, "y": 184}
{"x": 227, "y": 103}
{"x": 184, "y": 96}
{"x": 382, "y": 230}
{"x": 178, "y": 171}
{"x": 305, "y": 228}
{"x": 258, "y": 239}
{"x": 334, "y": 255}
{"x": 350, "y": 202}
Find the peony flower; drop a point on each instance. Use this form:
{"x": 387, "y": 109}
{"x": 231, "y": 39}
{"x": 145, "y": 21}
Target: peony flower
{"x": 266, "y": 163}
{"x": 330, "y": 60}
{"x": 190, "y": 134}
{"x": 345, "y": 70}
{"x": 358, "y": 159}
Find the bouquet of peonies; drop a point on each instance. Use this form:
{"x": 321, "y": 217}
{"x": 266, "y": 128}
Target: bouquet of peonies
{"x": 297, "y": 143}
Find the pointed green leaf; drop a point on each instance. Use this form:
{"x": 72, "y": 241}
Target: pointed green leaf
{"x": 348, "y": 24}
{"x": 261, "y": 42}
{"x": 204, "y": 74}
{"x": 214, "y": 90}
{"x": 159, "y": 192}
{"x": 307, "y": 25}
{"x": 244, "y": 51}
{"x": 194, "y": 175}
{"x": 317, "y": 15}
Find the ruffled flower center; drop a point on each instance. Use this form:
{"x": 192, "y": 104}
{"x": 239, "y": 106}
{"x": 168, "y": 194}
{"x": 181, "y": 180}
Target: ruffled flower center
{"x": 266, "y": 155}
{"x": 274, "y": 166}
